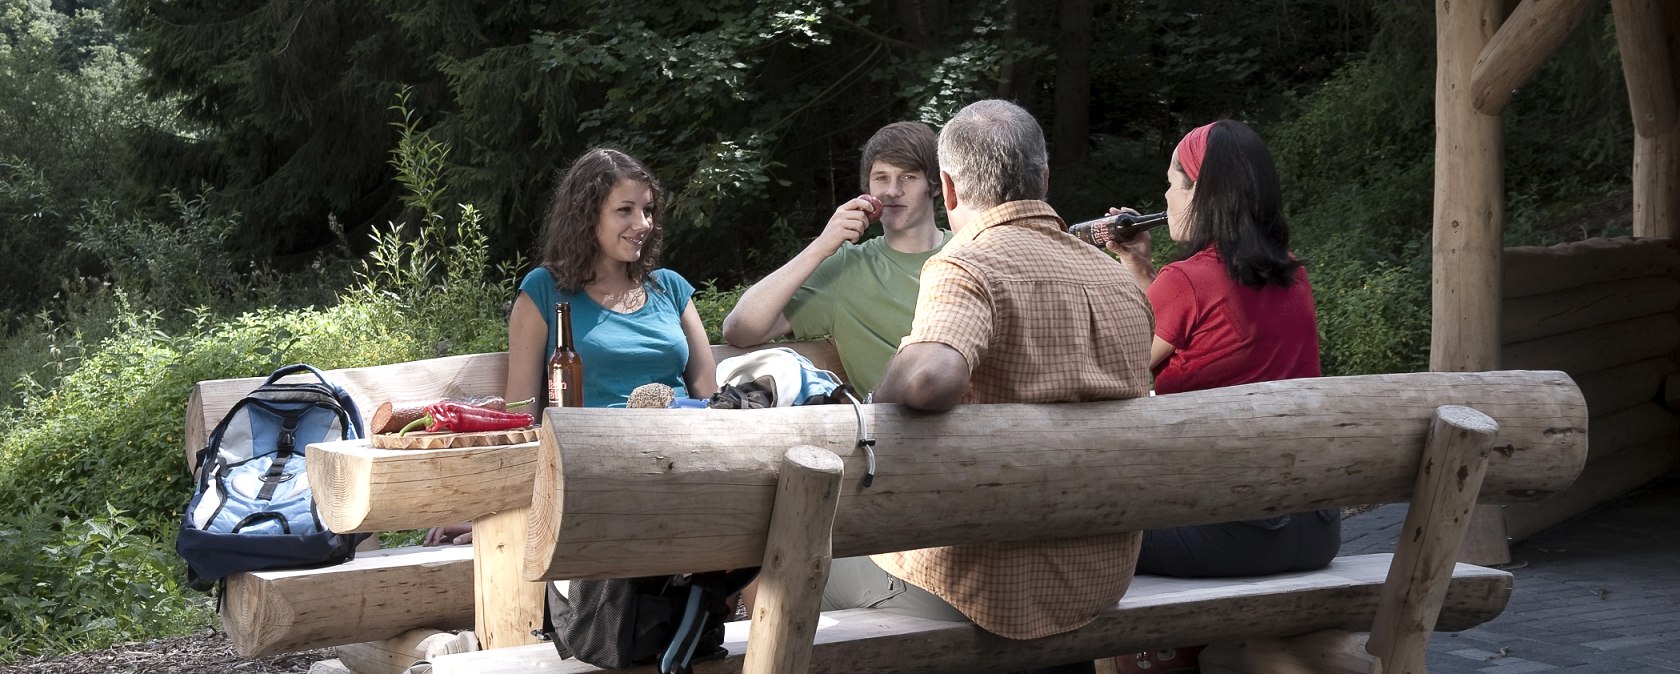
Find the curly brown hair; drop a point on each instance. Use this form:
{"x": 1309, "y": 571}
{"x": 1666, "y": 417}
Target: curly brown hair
{"x": 569, "y": 246}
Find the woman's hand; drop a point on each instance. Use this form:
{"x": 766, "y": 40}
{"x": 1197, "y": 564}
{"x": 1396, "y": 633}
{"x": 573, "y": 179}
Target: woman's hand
{"x": 1134, "y": 254}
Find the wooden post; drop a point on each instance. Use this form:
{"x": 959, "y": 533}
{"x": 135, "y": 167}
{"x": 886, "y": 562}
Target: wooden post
{"x": 1469, "y": 218}
{"x": 1650, "y": 82}
{"x": 797, "y": 553}
{"x": 1455, "y": 457}
{"x": 507, "y": 607}
{"x": 1533, "y": 31}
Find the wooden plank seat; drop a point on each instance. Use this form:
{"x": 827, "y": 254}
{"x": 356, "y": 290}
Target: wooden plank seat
{"x": 1156, "y": 612}
{"x": 654, "y": 492}
{"x": 283, "y": 611}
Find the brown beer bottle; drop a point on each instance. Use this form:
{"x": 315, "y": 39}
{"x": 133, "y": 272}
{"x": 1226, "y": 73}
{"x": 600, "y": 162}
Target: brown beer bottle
{"x": 565, "y": 367}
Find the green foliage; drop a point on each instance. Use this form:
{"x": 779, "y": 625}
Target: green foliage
{"x": 73, "y": 584}
{"x": 441, "y": 276}
{"x": 291, "y": 98}
{"x": 179, "y": 263}
{"x": 99, "y": 430}
{"x": 68, "y": 108}
{"x": 752, "y": 112}
{"x": 1358, "y": 168}
{"x": 30, "y": 231}
{"x": 714, "y": 305}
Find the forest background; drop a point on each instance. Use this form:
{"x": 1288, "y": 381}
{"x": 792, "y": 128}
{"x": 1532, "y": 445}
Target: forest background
{"x": 203, "y": 189}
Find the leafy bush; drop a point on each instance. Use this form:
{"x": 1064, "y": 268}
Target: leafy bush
{"x": 1358, "y": 170}
{"x": 70, "y": 106}
{"x": 72, "y": 584}
{"x": 714, "y": 305}
{"x": 101, "y": 431}
{"x": 182, "y": 263}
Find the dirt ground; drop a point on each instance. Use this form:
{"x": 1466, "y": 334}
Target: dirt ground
{"x": 207, "y": 653}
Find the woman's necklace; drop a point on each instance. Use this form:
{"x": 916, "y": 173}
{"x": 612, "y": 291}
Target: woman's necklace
{"x": 625, "y": 301}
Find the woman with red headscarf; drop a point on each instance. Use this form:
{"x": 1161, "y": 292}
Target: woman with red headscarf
{"x": 1236, "y": 309}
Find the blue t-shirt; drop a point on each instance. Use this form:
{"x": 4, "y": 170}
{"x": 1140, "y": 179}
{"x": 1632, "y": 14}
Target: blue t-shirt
{"x": 621, "y": 351}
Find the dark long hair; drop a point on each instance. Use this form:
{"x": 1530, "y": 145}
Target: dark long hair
{"x": 1238, "y": 208}
{"x": 569, "y": 246}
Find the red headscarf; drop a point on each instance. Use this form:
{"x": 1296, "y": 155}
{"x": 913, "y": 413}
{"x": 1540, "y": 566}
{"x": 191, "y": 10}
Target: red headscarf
{"x": 1191, "y": 150}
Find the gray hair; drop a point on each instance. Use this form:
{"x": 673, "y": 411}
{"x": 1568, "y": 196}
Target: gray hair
{"x": 994, "y": 153}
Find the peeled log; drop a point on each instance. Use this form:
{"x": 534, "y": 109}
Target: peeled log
{"x": 1599, "y": 347}
{"x": 433, "y": 379}
{"x": 1555, "y": 313}
{"x": 1455, "y": 456}
{"x": 390, "y": 656}
{"x": 1533, "y": 270}
{"x": 1656, "y": 183}
{"x": 375, "y": 596}
{"x": 611, "y": 485}
{"x": 455, "y": 376}
{"x": 1645, "y": 64}
{"x": 1624, "y": 386}
{"x": 1469, "y": 204}
{"x": 1644, "y": 34}
{"x": 1524, "y": 41}
{"x": 361, "y": 488}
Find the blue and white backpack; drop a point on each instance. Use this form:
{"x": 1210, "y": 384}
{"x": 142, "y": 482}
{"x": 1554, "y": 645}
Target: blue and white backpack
{"x": 796, "y": 379}
{"x": 252, "y": 509}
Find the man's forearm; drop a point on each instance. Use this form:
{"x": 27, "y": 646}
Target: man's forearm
{"x": 926, "y": 376}
{"x": 759, "y": 313}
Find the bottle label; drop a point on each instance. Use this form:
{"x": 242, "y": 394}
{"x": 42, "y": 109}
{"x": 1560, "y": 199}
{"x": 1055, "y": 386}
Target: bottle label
{"x": 560, "y": 390}
{"x": 557, "y": 390}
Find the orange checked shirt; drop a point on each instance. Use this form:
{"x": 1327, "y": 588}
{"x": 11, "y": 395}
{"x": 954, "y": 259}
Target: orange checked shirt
{"x": 1040, "y": 317}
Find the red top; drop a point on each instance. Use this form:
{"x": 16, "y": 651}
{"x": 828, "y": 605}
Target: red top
{"x": 1225, "y": 333}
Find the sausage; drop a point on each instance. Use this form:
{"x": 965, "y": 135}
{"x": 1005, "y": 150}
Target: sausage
{"x": 392, "y": 416}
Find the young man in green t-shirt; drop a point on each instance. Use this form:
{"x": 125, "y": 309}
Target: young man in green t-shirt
{"x": 861, "y": 294}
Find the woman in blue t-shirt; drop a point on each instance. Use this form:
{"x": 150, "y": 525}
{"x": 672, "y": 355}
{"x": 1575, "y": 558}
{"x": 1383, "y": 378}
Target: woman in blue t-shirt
{"x": 633, "y": 324}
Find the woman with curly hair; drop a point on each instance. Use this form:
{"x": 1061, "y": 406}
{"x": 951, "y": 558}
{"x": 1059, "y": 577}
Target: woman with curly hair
{"x": 632, "y": 322}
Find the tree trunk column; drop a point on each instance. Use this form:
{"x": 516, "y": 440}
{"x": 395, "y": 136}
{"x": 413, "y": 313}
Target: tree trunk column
{"x": 1640, "y": 28}
{"x": 1469, "y": 219}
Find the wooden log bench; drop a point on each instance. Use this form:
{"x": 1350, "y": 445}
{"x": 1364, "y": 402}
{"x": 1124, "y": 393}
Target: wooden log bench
{"x": 383, "y": 594}
{"x": 645, "y": 492}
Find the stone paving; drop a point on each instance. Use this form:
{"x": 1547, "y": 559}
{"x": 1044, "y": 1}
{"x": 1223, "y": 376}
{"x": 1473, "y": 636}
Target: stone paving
{"x": 1600, "y": 593}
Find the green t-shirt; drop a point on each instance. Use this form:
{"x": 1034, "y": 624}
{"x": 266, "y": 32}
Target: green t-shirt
{"x": 863, "y": 296}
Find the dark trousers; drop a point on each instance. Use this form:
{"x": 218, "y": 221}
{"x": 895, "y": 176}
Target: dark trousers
{"x": 1297, "y": 542}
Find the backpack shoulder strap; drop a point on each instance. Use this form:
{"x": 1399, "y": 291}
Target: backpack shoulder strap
{"x": 296, "y": 368}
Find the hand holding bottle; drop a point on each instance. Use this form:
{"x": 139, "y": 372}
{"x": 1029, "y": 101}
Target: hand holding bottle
{"x": 1134, "y": 251}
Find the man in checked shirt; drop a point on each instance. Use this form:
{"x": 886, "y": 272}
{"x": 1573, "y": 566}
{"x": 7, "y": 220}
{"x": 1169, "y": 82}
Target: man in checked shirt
{"x": 1013, "y": 310}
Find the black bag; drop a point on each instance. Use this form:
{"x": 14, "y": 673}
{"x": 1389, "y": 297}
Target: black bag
{"x": 668, "y": 621}
{"x": 252, "y": 509}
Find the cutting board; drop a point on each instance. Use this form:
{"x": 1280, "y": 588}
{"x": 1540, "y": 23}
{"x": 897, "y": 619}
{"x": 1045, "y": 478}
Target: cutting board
{"x": 421, "y": 440}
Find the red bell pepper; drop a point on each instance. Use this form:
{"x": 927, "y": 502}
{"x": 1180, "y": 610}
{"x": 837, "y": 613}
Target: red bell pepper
{"x": 463, "y": 418}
